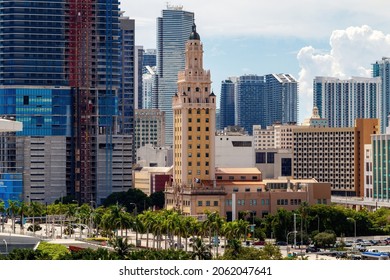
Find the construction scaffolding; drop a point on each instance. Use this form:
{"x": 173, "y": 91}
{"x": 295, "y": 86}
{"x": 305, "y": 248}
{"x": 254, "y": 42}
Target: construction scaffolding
{"x": 82, "y": 78}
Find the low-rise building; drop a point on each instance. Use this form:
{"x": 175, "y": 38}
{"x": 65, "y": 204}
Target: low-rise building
{"x": 151, "y": 179}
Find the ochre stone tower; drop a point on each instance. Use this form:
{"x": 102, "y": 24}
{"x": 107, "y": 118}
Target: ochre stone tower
{"x": 194, "y": 120}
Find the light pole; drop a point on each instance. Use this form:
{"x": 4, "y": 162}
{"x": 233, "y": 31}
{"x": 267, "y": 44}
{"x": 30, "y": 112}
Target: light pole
{"x": 295, "y": 232}
{"x": 6, "y": 246}
{"x": 354, "y": 221}
{"x": 135, "y": 223}
{"x": 91, "y": 215}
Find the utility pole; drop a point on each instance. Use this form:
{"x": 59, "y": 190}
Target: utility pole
{"x": 295, "y": 230}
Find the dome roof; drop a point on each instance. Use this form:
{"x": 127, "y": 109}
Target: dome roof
{"x": 194, "y": 35}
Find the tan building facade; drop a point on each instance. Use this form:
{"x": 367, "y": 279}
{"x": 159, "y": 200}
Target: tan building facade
{"x": 334, "y": 155}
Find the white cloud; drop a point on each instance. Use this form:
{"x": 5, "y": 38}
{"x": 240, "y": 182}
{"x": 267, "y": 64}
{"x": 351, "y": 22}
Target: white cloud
{"x": 352, "y": 52}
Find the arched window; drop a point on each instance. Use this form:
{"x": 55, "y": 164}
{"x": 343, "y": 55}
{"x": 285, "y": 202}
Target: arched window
{"x": 189, "y": 111}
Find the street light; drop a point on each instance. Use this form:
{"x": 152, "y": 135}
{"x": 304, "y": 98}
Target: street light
{"x": 6, "y": 246}
{"x": 295, "y": 232}
{"x": 90, "y": 217}
{"x": 354, "y": 221}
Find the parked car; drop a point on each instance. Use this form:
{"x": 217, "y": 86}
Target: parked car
{"x": 281, "y": 243}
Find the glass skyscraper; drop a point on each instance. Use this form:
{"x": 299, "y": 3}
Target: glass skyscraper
{"x": 173, "y": 30}
{"x": 59, "y": 75}
{"x": 227, "y": 104}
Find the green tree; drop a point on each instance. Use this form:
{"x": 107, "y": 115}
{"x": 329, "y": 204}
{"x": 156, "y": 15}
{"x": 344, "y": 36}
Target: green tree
{"x": 121, "y": 247}
{"x": 157, "y": 199}
{"x": 23, "y": 210}
{"x": 2, "y": 214}
{"x": 35, "y": 209}
{"x": 325, "y": 239}
{"x": 200, "y": 251}
{"x": 12, "y": 210}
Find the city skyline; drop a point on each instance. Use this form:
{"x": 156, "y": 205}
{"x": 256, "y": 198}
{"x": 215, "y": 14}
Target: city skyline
{"x": 304, "y": 39}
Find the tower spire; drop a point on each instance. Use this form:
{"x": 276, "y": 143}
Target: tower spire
{"x": 194, "y": 35}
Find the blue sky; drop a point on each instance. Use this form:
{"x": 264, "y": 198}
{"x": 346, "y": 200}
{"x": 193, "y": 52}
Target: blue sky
{"x": 305, "y": 38}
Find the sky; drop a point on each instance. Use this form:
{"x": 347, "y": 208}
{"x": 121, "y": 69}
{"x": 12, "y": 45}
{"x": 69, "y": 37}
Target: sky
{"x": 304, "y": 38}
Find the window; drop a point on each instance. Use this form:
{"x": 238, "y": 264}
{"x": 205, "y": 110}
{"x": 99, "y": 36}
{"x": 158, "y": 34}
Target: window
{"x": 231, "y": 177}
{"x": 215, "y": 203}
{"x": 235, "y": 189}
{"x": 198, "y": 128}
{"x": 241, "y": 202}
{"x": 189, "y": 128}
{"x": 260, "y": 157}
{"x": 198, "y": 163}
{"x": 200, "y": 203}
{"x": 247, "y": 189}
{"x": 189, "y": 119}
{"x": 208, "y": 203}
{"x": 198, "y": 120}
{"x": 228, "y": 202}
{"x": 207, "y": 137}
{"x": 190, "y": 163}
{"x": 270, "y": 157}
{"x": 189, "y": 137}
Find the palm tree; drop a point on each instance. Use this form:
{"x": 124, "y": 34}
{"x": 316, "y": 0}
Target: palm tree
{"x": 23, "y": 209}
{"x": 35, "y": 209}
{"x": 12, "y": 209}
{"x": 2, "y": 210}
{"x": 124, "y": 221}
{"x": 121, "y": 247}
{"x": 70, "y": 213}
{"x": 147, "y": 218}
{"x": 200, "y": 251}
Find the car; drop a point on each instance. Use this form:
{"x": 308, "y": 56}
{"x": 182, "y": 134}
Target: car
{"x": 281, "y": 243}
{"x": 258, "y": 243}
{"x": 312, "y": 249}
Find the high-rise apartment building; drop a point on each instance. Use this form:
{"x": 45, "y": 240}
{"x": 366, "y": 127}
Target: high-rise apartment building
{"x": 227, "y": 111}
{"x": 149, "y": 58}
{"x": 381, "y": 70}
{"x": 259, "y": 100}
{"x": 250, "y": 102}
{"x": 281, "y": 99}
{"x": 343, "y": 101}
{"x": 62, "y": 84}
{"x": 173, "y": 29}
{"x": 148, "y": 84}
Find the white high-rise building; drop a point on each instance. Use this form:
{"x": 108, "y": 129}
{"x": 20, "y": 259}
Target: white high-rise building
{"x": 343, "y": 101}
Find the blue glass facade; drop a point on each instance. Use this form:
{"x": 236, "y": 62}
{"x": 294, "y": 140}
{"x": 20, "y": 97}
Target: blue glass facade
{"x": 33, "y": 43}
{"x": 250, "y": 102}
{"x": 11, "y": 187}
{"x": 43, "y": 112}
{"x": 227, "y": 104}
{"x": 60, "y": 77}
